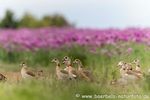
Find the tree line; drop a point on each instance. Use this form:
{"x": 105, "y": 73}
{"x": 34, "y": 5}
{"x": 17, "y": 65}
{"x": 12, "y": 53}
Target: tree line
{"x": 29, "y": 21}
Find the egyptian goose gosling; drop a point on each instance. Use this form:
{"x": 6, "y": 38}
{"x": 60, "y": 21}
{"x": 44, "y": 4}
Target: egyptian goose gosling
{"x": 137, "y": 65}
{"x": 126, "y": 69}
{"x": 125, "y": 65}
{"x": 12, "y": 76}
{"x": 138, "y": 68}
{"x": 121, "y": 64}
{"x": 73, "y": 74}
{"x": 26, "y": 73}
{"x": 122, "y": 68}
{"x": 2, "y": 77}
{"x": 128, "y": 74}
{"x": 60, "y": 73}
{"x": 40, "y": 73}
{"x": 83, "y": 73}
{"x": 67, "y": 61}
{"x": 130, "y": 70}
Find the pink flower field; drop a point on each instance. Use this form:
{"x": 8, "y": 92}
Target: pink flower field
{"x": 45, "y": 38}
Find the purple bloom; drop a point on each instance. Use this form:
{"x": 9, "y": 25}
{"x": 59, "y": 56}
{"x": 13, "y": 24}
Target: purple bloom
{"x": 56, "y": 37}
{"x": 129, "y": 50}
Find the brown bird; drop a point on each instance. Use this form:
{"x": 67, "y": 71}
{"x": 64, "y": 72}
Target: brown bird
{"x": 138, "y": 68}
{"x": 2, "y": 77}
{"x": 60, "y": 73}
{"x": 12, "y": 76}
{"x": 26, "y": 73}
{"x": 67, "y": 61}
{"x": 121, "y": 64}
{"x": 83, "y": 73}
{"x": 73, "y": 74}
{"x": 137, "y": 65}
{"x": 128, "y": 74}
{"x": 40, "y": 73}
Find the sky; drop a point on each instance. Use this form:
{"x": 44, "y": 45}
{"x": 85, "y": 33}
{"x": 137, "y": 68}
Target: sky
{"x": 86, "y": 13}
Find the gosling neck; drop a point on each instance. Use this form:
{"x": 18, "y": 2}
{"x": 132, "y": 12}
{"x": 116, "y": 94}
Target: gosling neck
{"x": 80, "y": 66}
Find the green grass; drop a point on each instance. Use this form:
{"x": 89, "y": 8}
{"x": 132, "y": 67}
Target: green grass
{"x": 102, "y": 65}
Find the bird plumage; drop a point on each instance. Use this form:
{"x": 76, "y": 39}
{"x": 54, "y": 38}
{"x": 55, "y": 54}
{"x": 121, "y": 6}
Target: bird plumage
{"x": 72, "y": 71}
{"x": 60, "y": 73}
{"x": 83, "y": 73}
{"x": 26, "y": 73}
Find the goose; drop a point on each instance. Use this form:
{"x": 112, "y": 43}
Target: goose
{"x": 128, "y": 74}
{"x": 26, "y": 73}
{"x": 125, "y": 65}
{"x": 67, "y": 61}
{"x": 60, "y": 73}
{"x": 12, "y": 76}
{"x": 83, "y": 73}
{"x": 72, "y": 71}
{"x": 2, "y": 77}
{"x": 121, "y": 64}
{"x": 126, "y": 69}
{"x": 138, "y": 67}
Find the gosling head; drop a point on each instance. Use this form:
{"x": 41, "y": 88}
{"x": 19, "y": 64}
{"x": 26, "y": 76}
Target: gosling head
{"x": 136, "y": 61}
{"x": 76, "y": 61}
{"x": 55, "y": 60}
{"x": 66, "y": 60}
{"x": 121, "y": 63}
{"x": 23, "y": 64}
{"x": 129, "y": 66}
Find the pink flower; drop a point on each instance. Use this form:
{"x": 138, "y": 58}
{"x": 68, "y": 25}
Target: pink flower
{"x": 129, "y": 50}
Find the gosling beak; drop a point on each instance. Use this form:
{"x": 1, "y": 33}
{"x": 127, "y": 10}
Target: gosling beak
{"x": 52, "y": 60}
{"x": 63, "y": 61}
{"x": 74, "y": 62}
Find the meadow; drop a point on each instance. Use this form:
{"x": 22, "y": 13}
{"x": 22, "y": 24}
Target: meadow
{"x": 99, "y": 50}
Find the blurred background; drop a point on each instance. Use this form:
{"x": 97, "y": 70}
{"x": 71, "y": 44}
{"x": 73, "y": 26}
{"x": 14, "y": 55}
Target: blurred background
{"x": 83, "y": 14}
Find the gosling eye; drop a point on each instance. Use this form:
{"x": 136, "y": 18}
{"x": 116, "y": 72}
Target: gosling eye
{"x": 78, "y": 60}
{"x": 66, "y": 57}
